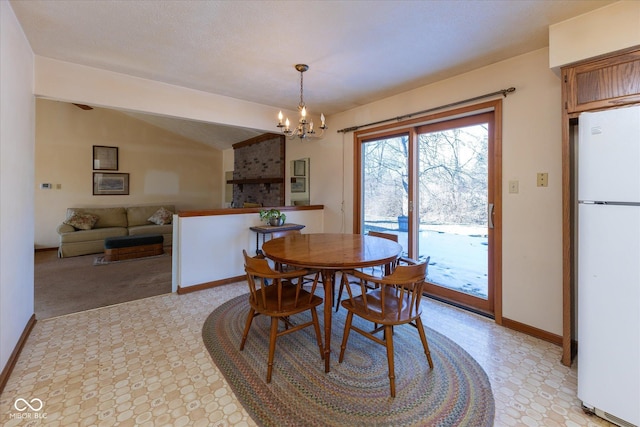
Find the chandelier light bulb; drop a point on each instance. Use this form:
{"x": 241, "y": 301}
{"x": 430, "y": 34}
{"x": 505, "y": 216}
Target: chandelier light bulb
{"x": 280, "y": 117}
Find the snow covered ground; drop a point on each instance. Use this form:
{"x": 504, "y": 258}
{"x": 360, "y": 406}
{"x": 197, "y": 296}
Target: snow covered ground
{"x": 458, "y": 254}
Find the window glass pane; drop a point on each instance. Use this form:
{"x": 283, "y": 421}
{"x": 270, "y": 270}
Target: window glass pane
{"x": 384, "y": 187}
{"x": 453, "y": 185}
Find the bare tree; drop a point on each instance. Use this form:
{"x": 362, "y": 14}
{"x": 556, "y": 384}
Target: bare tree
{"x": 452, "y": 171}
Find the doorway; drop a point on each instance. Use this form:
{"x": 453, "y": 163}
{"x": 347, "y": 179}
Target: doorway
{"x": 433, "y": 184}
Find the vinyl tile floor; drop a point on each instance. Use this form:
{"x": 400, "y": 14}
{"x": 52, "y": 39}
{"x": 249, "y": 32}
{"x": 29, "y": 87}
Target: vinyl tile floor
{"x": 143, "y": 363}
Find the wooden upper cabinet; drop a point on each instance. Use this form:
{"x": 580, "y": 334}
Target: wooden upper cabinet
{"x": 602, "y": 83}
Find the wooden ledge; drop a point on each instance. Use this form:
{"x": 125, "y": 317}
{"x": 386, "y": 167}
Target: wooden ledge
{"x": 235, "y": 211}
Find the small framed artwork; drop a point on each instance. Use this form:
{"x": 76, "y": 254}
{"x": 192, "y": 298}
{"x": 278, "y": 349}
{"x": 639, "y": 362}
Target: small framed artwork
{"x": 105, "y": 158}
{"x": 105, "y": 184}
{"x": 298, "y": 185}
{"x": 299, "y": 168}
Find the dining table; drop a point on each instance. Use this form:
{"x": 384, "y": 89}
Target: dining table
{"x": 330, "y": 253}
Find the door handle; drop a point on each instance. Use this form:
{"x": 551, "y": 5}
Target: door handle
{"x": 490, "y": 215}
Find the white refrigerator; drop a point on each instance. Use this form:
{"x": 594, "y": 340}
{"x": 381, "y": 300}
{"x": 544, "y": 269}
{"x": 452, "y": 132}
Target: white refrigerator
{"x": 608, "y": 289}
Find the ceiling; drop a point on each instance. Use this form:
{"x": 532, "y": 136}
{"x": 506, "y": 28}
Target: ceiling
{"x": 358, "y": 51}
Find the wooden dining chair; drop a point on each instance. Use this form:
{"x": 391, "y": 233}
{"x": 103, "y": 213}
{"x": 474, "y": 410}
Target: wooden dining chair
{"x": 278, "y": 295}
{"x": 313, "y": 274}
{"x": 377, "y": 270}
{"x": 284, "y": 233}
{"x": 395, "y": 302}
{"x": 387, "y": 268}
{"x": 277, "y": 235}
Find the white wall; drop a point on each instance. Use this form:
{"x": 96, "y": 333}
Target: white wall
{"x": 199, "y": 261}
{"x": 17, "y": 121}
{"x": 65, "y": 81}
{"x": 601, "y": 31}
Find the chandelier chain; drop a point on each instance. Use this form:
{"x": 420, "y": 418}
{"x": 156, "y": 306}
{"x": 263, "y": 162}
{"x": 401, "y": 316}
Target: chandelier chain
{"x": 301, "y": 90}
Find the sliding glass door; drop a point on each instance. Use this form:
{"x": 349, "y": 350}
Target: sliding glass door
{"x": 433, "y": 186}
{"x": 454, "y": 208}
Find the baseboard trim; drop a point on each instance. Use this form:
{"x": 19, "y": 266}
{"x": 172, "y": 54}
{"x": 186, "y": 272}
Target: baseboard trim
{"x": 534, "y": 332}
{"x": 209, "y": 285}
{"x": 46, "y": 249}
{"x": 11, "y": 363}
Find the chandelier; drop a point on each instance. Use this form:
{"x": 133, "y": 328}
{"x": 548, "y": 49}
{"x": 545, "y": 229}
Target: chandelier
{"x": 305, "y": 128}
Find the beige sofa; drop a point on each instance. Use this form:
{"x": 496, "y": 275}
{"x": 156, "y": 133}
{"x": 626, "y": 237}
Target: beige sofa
{"x": 112, "y": 222}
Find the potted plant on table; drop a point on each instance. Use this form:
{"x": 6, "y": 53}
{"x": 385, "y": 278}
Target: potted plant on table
{"x": 273, "y": 217}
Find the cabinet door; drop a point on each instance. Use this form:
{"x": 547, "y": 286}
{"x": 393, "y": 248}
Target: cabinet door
{"x": 604, "y": 83}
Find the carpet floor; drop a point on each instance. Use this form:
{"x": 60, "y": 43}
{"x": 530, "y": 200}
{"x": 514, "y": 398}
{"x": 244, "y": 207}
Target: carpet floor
{"x": 70, "y": 285}
{"x": 355, "y": 392}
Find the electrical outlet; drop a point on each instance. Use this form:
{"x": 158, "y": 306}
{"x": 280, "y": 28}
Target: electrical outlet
{"x": 543, "y": 179}
{"x": 513, "y": 187}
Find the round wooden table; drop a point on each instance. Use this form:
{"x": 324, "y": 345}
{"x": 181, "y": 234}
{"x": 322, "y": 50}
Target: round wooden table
{"x": 330, "y": 253}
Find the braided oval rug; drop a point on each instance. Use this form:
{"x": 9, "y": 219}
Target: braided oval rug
{"x": 456, "y": 392}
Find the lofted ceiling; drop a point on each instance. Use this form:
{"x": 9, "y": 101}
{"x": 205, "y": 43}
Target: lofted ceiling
{"x": 358, "y": 51}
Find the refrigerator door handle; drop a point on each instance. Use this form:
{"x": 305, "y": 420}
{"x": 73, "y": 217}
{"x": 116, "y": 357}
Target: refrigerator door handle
{"x": 491, "y": 215}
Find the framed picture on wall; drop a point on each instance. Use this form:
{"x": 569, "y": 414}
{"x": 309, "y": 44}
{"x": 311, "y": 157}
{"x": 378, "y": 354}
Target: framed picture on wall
{"x": 299, "y": 168}
{"x": 105, "y": 158}
{"x": 105, "y": 184}
{"x": 298, "y": 185}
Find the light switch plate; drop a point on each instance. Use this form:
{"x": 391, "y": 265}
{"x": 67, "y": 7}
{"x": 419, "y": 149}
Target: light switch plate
{"x": 513, "y": 187}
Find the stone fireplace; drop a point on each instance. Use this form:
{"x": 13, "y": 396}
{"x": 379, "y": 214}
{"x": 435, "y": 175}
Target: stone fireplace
{"x": 258, "y": 175}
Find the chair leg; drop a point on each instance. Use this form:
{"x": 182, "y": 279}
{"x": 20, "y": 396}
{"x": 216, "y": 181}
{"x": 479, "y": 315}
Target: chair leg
{"x": 342, "y": 282}
{"x": 247, "y": 326}
{"x": 272, "y": 346}
{"x": 316, "y": 326}
{"x": 388, "y": 336}
{"x": 333, "y": 288}
{"x": 345, "y": 336}
{"x": 425, "y": 344}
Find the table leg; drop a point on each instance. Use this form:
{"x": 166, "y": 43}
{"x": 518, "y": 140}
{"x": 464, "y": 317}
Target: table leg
{"x": 328, "y": 279}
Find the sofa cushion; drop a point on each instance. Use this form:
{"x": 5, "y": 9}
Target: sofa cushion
{"x": 107, "y": 217}
{"x": 91, "y": 235}
{"x": 161, "y": 217}
{"x": 64, "y": 228}
{"x": 139, "y": 215}
{"x": 82, "y": 221}
{"x": 151, "y": 229}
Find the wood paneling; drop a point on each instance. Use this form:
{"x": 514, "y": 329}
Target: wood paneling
{"x": 604, "y": 83}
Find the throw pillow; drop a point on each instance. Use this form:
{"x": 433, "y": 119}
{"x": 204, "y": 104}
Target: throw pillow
{"x": 82, "y": 221}
{"x": 161, "y": 217}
